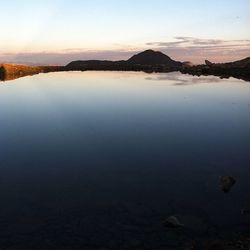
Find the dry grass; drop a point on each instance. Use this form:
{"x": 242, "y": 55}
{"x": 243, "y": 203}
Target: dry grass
{"x": 13, "y": 71}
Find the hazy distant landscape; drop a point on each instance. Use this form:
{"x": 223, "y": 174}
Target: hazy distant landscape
{"x": 147, "y": 61}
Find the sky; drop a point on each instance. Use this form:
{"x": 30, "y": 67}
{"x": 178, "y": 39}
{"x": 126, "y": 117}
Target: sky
{"x": 59, "y": 31}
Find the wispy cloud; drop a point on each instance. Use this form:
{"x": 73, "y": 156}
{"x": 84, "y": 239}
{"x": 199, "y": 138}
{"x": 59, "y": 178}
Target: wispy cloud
{"x": 188, "y": 42}
{"x": 197, "y": 49}
{"x": 181, "y": 48}
{"x": 65, "y": 56}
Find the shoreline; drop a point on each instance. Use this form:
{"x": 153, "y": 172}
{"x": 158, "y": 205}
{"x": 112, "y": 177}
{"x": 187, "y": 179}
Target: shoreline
{"x": 13, "y": 71}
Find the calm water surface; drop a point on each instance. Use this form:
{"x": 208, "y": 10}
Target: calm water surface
{"x": 97, "y": 160}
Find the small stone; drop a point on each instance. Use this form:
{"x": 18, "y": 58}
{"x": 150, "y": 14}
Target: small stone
{"x": 191, "y": 245}
{"x": 172, "y": 222}
{"x": 226, "y": 183}
{"x": 215, "y": 245}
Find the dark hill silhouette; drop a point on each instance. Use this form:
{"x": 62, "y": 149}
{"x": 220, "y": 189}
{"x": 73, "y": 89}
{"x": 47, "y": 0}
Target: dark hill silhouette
{"x": 240, "y": 65}
{"x": 151, "y": 57}
{"x": 244, "y": 63}
{"x": 95, "y": 64}
{"x": 148, "y": 60}
{"x": 238, "y": 69}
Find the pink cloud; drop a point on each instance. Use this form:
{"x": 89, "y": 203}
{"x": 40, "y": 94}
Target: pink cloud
{"x": 191, "y": 49}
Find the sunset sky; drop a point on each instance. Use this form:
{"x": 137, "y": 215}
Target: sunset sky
{"x": 58, "y": 31}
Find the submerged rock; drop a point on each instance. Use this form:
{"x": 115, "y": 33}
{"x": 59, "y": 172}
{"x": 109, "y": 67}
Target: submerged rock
{"x": 215, "y": 245}
{"x": 172, "y": 222}
{"x": 245, "y": 211}
{"x": 234, "y": 244}
{"x": 191, "y": 245}
{"x": 226, "y": 183}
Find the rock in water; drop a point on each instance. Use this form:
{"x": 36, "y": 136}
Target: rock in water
{"x": 216, "y": 245}
{"x": 226, "y": 183}
{"x": 245, "y": 211}
{"x": 172, "y": 222}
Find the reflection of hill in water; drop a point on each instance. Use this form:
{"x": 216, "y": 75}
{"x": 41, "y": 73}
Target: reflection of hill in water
{"x": 166, "y": 76}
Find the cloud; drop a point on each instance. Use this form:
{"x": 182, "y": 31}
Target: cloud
{"x": 183, "y": 41}
{"x": 181, "y": 48}
{"x": 65, "y": 56}
{"x": 197, "y": 49}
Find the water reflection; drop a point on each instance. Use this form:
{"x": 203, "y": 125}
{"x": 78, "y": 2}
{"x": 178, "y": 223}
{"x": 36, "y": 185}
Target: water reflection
{"x": 100, "y": 159}
{"x": 10, "y": 77}
{"x": 179, "y": 79}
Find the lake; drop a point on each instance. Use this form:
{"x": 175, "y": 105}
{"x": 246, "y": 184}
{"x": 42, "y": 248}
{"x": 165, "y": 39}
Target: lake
{"x": 98, "y": 160}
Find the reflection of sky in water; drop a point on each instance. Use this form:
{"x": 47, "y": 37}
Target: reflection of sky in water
{"x": 77, "y": 104}
{"x": 115, "y": 137}
{"x": 180, "y": 79}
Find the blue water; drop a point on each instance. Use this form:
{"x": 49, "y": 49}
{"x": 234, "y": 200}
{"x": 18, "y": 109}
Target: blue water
{"x": 97, "y": 160}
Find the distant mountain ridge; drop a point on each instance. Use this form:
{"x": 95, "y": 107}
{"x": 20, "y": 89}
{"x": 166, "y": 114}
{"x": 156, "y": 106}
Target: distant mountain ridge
{"x": 239, "y": 69}
{"x": 145, "y": 59}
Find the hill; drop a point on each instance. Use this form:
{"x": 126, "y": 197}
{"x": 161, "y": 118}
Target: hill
{"x": 244, "y": 63}
{"x": 239, "y": 69}
{"x": 151, "y": 57}
{"x": 148, "y": 60}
